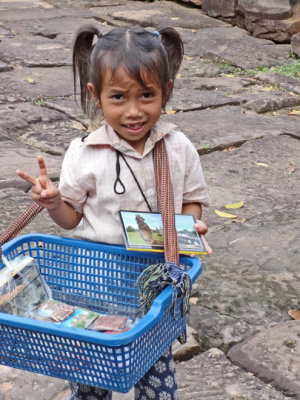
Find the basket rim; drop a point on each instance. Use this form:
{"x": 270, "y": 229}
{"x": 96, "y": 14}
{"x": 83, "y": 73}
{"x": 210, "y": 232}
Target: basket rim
{"x": 153, "y": 316}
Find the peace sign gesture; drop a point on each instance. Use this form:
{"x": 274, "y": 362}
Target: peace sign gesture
{"x": 43, "y": 190}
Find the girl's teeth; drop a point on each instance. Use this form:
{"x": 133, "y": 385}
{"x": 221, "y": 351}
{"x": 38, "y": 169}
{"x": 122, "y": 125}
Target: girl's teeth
{"x": 134, "y": 126}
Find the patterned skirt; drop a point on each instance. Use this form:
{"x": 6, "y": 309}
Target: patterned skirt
{"x": 159, "y": 383}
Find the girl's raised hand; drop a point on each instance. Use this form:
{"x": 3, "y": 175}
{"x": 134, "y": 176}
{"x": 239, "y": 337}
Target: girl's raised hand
{"x": 202, "y": 229}
{"x": 43, "y": 190}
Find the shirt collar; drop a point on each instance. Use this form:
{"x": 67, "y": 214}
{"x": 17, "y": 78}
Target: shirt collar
{"x": 106, "y": 136}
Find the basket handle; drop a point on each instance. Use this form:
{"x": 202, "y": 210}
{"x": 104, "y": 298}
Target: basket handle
{"x": 20, "y": 223}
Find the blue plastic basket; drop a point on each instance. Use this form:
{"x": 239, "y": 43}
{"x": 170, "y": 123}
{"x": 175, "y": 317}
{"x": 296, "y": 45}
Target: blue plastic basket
{"x": 102, "y": 278}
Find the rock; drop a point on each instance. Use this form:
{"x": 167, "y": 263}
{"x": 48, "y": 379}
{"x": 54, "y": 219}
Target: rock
{"x": 165, "y": 14}
{"x": 283, "y": 81}
{"x": 276, "y": 20}
{"x": 219, "y": 8}
{"x": 295, "y": 44}
{"x": 186, "y": 351}
{"x": 211, "y": 375}
{"x": 266, "y": 9}
{"x": 193, "y": 2}
{"x": 273, "y": 356}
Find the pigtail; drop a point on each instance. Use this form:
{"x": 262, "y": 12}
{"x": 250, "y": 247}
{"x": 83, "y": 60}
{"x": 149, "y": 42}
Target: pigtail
{"x": 174, "y": 48}
{"x": 82, "y": 49}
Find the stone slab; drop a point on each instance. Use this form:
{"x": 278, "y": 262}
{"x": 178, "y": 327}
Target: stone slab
{"x": 234, "y": 46}
{"x": 295, "y": 44}
{"x": 164, "y": 14}
{"x": 265, "y": 274}
{"x": 259, "y": 254}
{"x": 187, "y": 100}
{"x": 286, "y": 82}
{"x": 274, "y": 183}
{"x": 199, "y": 67}
{"x": 19, "y": 385}
{"x": 34, "y": 51}
{"x": 268, "y": 9}
{"x": 36, "y": 10}
{"x": 251, "y": 94}
{"x": 219, "y": 8}
{"x": 17, "y": 118}
{"x": 221, "y": 128}
{"x": 207, "y": 376}
{"x": 37, "y": 83}
{"x": 59, "y": 30}
{"x": 212, "y": 376}
{"x": 16, "y": 155}
{"x": 273, "y": 356}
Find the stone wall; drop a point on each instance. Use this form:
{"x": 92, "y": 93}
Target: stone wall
{"x": 277, "y": 20}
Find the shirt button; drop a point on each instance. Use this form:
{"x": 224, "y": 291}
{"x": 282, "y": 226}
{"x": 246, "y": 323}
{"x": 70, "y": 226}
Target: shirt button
{"x": 150, "y": 192}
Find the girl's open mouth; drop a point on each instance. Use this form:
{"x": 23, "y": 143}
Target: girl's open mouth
{"x": 134, "y": 128}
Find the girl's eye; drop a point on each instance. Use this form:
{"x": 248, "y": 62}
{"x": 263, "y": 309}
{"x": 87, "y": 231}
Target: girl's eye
{"x": 147, "y": 95}
{"x": 117, "y": 96}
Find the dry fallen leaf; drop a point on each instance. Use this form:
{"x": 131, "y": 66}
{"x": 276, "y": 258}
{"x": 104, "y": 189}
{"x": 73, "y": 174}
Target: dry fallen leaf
{"x": 178, "y": 76}
{"x": 174, "y": 18}
{"x": 295, "y": 314}
{"x": 230, "y": 148}
{"x": 260, "y": 164}
{"x": 290, "y": 167}
{"x": 295, "y": 112}
{"x": 30, "y": 80}
{"x": 267, "y": 89}
{"x": 241, "y": 220}
{"x": 224, "y": 214}
{"x": 171, "y": 112}
{"x": 234, "y": 206}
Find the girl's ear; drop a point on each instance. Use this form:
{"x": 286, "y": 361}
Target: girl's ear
{"x": 92, "y": 91}
{"x": 169, "y": 89}
{"x": 170, "y": 86}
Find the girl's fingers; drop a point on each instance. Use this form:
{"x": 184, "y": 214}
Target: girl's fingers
{"x": 207, "y": 246}
{"x": 26, "y": 176}
{"x": 201, "y": 227}
{"x": 42, "y": 166}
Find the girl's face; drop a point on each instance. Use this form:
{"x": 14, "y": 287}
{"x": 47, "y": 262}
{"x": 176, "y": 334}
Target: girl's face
{"x": 129, "y": 108}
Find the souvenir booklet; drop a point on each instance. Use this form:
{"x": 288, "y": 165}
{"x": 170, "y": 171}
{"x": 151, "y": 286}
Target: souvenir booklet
{"x": 144, "y": 231}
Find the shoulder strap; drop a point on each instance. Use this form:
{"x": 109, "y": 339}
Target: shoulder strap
{"x": 166, "y": 201}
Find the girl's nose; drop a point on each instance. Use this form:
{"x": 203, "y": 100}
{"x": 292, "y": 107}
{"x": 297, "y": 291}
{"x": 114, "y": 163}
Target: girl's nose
{"x": 133, "y": 109}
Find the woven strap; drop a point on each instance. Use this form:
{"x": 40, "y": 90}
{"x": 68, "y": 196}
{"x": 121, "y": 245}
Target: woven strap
{"x": 166, "y": 201}
{"x": 19, "y": 223}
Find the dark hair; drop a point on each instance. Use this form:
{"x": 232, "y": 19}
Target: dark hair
{"x": 134, "y": 49}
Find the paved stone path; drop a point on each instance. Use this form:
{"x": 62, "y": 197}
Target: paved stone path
{"x": 245, "y": 128}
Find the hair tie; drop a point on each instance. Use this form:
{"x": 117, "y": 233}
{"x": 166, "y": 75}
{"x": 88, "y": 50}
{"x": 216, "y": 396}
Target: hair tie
{"x": 156, "y": 33}
{"x": 99, "y": 35}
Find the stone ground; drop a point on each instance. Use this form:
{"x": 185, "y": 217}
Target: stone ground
{"x": 246, "y": 129}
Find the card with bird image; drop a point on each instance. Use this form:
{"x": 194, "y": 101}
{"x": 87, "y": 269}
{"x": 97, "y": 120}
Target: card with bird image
{"x": 143, "y": 231}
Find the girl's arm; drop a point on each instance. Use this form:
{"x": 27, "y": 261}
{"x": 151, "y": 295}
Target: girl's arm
{"x": 196, "y": 210}
{"x": 45, "y": 193}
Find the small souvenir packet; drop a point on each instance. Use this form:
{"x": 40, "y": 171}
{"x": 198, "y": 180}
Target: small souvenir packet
{"x": 115, "y": 332}
{"x": 114, "y": 323}
{"x": 81, "y": 318}
{"x": 55, "y": 311}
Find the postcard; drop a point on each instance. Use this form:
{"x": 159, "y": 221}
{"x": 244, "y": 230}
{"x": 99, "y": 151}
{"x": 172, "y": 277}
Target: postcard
{"x": 81, "y": 318}
{"x": 144, "y": 231}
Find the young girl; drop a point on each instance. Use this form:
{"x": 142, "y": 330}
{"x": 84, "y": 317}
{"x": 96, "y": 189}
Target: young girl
{"x": 128, "y": 76}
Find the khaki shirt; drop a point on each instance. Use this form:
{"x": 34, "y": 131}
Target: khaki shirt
{"x": 89, "y": 173}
